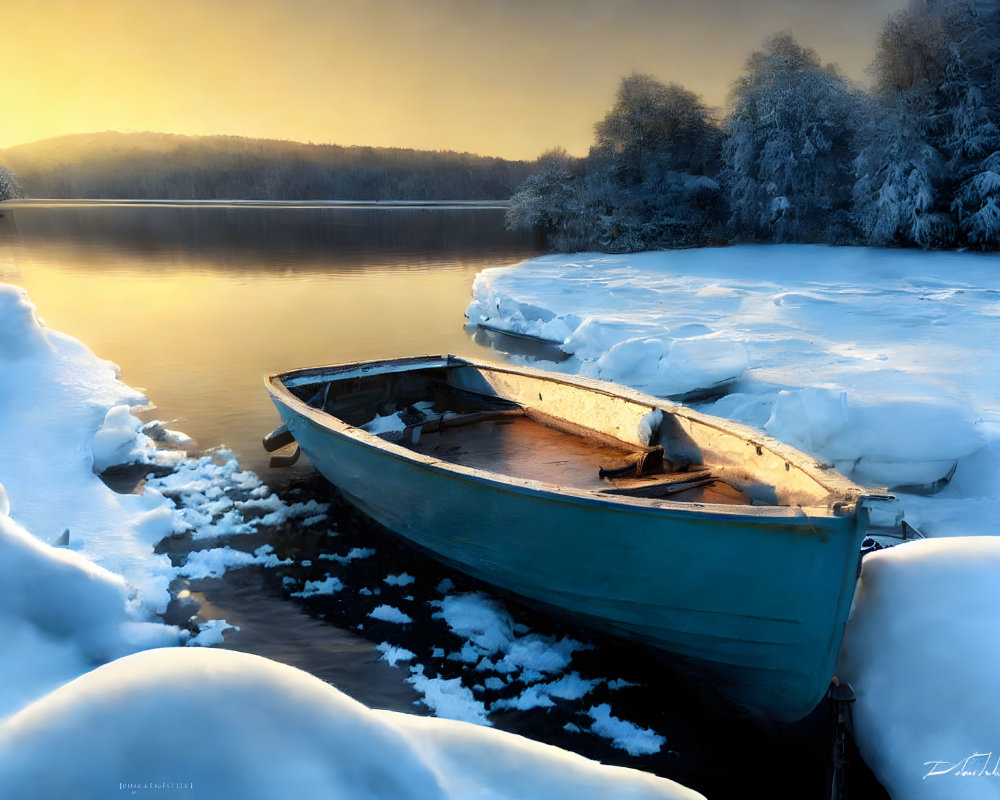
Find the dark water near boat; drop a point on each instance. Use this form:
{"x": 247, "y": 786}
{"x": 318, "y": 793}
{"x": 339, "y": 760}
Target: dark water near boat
{"x": 197, "y": 303}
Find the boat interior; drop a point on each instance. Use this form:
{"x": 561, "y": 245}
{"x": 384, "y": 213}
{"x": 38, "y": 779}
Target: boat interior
{"x": 529, "y": 427}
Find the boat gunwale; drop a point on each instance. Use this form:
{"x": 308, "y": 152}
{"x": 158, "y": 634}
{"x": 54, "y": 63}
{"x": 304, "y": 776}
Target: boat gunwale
{"x": 844, "y": 494}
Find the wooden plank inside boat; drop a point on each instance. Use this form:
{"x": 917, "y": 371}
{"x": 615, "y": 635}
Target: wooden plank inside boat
{"x": 523, "y": 447}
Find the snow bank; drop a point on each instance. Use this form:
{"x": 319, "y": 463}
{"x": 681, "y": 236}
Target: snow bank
{"x": 266, "y": 730}
{"x": 55, "y": 398}
{"x": 922, "y": 651}
{"x": 881, "y": 362}
{"x": 60, "y": 615}
{"x": 64, "y": 610}
{"x": 65, "y": 417}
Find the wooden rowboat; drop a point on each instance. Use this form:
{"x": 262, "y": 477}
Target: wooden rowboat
{"x": 700, "y": 537}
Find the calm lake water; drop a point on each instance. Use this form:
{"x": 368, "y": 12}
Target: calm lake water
{"x": 196, "y": 303}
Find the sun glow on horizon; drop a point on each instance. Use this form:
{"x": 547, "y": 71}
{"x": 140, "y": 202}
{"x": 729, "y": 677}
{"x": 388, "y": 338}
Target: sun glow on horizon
{"x": 509, "y": 79}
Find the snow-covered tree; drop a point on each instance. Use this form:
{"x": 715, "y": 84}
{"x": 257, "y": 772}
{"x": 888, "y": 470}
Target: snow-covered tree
{"x": 655, "y": 128}
{"x": 646, "y": 183}
{"x": 898, "y": 173}
{"x": 9, "y": 187}
{"x": 786, "y": 153}
{"x": 971, "y": 102}
{"x": 549, "y": 201}
{"x": 926, "y": 168}
{"x": 649, "y": 173}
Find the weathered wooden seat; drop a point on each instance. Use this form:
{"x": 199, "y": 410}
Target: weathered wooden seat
{"x": 662, "y": 485}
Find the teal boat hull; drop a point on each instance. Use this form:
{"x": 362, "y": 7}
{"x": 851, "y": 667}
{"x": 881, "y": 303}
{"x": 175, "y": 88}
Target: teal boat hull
{"x": 755, "y": 599}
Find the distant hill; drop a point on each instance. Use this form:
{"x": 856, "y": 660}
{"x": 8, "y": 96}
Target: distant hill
{"x": 169, "y": 166}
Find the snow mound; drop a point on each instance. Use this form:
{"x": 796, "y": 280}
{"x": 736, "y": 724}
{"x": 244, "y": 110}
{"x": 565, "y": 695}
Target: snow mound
{"x": 266, "y": 730}
{"x": 61, "y": 614}
{"x": 921, "y": 651}
{"x": 120, "y": 439}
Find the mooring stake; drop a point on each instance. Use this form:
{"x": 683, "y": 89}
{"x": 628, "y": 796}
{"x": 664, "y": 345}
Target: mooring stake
{"x": 842, "y": 697}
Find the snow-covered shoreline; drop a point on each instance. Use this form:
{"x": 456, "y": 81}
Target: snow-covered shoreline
{"x": 880, "y": 362}
{"x": 82, "y": 585}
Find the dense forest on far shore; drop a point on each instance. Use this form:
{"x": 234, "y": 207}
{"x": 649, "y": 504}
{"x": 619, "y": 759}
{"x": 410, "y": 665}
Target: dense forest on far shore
{"x": 801, "y": 154}
{"x": 133, "y": 166}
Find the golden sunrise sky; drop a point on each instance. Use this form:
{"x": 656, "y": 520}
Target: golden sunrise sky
{"x": 496, "y": 77}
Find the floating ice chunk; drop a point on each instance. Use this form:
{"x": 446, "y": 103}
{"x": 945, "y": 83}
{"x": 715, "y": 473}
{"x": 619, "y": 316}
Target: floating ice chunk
{"x": 448, "y": 698}
{"x": 532, "y": 697}
{"x": 480, "y": 619}
{"x": 284, "y": 513}
{"x": 403, "y": 579}
{"x": 568, "y": 687}
{"x": 214, "y": 562}
{"x": 469, "y": 653}
{"x": 624, "y": 735}
{"x": 266, "y": 502}
{"x": 540, "y": 653}
{"x": 210, "y": 633}
{"x": 354, "y": 554}
{"x": 393, "y": 655}
{"x": 387, "y": 613}
{"x": 329, "y": 585}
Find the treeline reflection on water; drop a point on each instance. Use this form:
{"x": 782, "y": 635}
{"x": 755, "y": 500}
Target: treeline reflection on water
{"x": 265, "y": 236}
